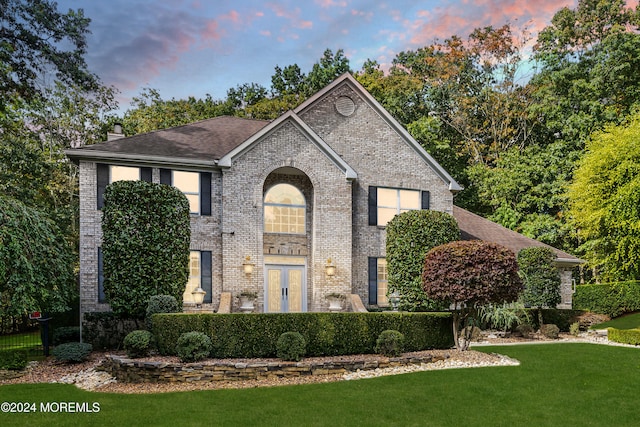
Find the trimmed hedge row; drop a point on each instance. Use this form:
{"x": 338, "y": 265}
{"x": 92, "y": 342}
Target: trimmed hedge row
{"x": 327, "y": 334}
{"x": 624, "y": 336}
{"x": 612, "y": 299}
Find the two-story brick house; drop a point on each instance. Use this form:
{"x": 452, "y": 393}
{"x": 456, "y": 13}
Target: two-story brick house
{"x": 292, "y": 209}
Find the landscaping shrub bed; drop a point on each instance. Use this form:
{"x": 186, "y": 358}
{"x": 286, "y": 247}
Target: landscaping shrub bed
{"x": 326, "y": 334}
{"x": 107, "y": 330}
{"x": 624, "y": 336}
{"x": 612, "y": 299}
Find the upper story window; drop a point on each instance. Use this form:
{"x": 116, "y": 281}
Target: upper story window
{"x": 284, "y": 210}
{"x": 123, "y": 173}
{"x": 189, "y": 184}
{"x": 392, "y": 201}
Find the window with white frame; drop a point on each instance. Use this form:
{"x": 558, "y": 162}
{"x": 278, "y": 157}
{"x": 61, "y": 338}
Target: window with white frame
{"x": 123, "y": 173}
{"x": 383, "y": 283}
{"x": 189, "y": 184}
{"x": 284, "y": 210}
{"x": 194, "y": 277}
{"x": 394, "y": 201}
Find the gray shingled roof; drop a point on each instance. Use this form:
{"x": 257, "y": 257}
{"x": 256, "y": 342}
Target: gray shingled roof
{"x": 208, "y": 139}
{"x": 474, "y": 227}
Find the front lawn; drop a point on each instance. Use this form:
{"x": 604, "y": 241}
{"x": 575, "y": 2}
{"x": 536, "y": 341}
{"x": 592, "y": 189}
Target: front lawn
{"x": 627, "y": 321}
{"x": 556, "y": 384}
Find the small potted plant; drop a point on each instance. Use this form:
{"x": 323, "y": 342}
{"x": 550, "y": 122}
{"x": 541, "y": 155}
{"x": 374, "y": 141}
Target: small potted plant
{"x": 335, "y": 301}
{"x": 247, "y": 299}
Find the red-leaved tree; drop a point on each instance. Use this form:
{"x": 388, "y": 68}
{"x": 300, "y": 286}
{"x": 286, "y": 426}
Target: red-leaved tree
{"x": 467, "y": 275}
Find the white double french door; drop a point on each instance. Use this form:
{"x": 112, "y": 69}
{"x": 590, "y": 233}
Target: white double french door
{"x": 285, "y": 288}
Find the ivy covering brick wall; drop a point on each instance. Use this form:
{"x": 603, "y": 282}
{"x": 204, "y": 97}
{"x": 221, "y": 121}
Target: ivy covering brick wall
{"x": 146, "y": 237}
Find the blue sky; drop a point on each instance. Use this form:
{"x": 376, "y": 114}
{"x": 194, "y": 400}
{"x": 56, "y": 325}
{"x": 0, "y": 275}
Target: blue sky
{"x": 196, "y": 47}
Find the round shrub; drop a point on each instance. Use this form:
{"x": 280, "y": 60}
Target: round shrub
{"x": 160, "y": 304}
{"x": 291, "y": 346}
{"x": 138, "y": 343}
{"x": 550, "y": 331}
{"x": 390, "y": 343}
{"x": 574, "y": 329}
{"x": 193, "y": 346}
{"x": 13, "y": 360}
{"x": 73, "y": 352}
{"x": 525, "y": 329}
{"x": 65, "y": 334}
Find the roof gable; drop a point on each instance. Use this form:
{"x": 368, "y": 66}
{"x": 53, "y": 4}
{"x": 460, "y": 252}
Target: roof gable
{"x": 348, "y": 79}
{"x": 292, "y": 117}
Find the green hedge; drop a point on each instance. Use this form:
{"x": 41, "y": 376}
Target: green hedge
{"x": 612, "y": 299}
{"x": 624, "y": 336}
{"x": 327, "y": 334}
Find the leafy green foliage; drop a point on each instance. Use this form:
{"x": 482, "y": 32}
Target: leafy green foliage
{"x": 470, "y": 274}
{"x": 146, "y": 237}
{"x": 326, "y": 334}
{"x": 624, "y": 336}
{"x": 160, "y": 304}
{"x": 540, "y": 276}
{"x": 13, "y": 360}
{"x": 605, "y": 201}
{"x": 72, "y": 352}
{"x": 503, "y": 316}
{"x": 291, "y": 346}
{"x": 138, "y": 343}
{"x": 612, "y": 299}
{"x": 36, "y": 266}
{"x": 193, "y": 346}
{"x": 410, "y": 236}
{"x": 390, "y": 343}
{"x": 65, "y": 334}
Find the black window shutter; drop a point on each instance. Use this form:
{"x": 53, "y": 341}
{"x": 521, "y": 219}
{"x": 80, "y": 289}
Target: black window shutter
{"x": 373, "y": 280}
{"x": 205, "y": 193}
{"x": 146, "y": 174}
{"x": 373, "y": 205}
{"x": 101, "y": 296}
{"x": 102, "y": 173}
{"x": 165, "y": 176}
{"x": 205, "y": 275}
{"x": 426, "y": 200}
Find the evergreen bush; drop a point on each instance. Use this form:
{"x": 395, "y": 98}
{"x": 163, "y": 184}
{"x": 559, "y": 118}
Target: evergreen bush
{"x": 160, "y": 304}
{"x": 410, "y": 236}
{"x": 390, "y": 343}
{"x": 65, "y": 334}
{"x": 138, "y": 343}
{"x": 73, "y": 352}
{"x": 612, "y": 299}
{"x": 624, "y": 336}
{"x": 291, "y": 346}
{"x": 193, "y": 346}
{"x": 550, "y": 331}
{"x": 145, "y": 245}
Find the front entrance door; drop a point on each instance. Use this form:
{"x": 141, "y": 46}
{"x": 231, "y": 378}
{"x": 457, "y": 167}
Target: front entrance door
{"x": 285, "y": 289}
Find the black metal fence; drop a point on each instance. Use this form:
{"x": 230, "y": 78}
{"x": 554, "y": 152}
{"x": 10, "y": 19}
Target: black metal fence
{"x": 29, "y": 335}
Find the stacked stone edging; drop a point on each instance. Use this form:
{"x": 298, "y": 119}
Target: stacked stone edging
{"x": 134, "y": 371}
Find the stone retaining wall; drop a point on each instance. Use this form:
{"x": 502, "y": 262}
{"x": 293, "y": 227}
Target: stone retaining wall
{"x": 133, "y": 371}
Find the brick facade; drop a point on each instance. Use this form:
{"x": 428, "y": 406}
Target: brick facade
{"x": 341, "y": 129}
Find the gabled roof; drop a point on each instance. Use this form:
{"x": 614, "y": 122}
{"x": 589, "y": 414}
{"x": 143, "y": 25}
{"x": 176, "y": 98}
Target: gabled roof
{"x": 291, "y": 117}
{"x": 475, "y": 227}
{"x": 349, "y": 80}
{"x": 202, "y": 142}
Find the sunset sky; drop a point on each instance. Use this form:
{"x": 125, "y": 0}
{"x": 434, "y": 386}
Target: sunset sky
{"x": 196, "y": 47}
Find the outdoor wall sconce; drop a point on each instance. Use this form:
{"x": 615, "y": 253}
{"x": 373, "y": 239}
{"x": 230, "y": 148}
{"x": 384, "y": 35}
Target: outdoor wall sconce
{"x": 394, "y": 299}
{"x": 247, "y": 266}
{"x": 198, "y": 296}
{"x": 330, "y": 269}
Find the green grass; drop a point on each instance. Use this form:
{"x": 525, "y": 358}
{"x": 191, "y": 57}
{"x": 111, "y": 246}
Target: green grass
{"x": 26, "y": 341}
{"x": 556, "y": 384}
{"x": 628, "y": 321}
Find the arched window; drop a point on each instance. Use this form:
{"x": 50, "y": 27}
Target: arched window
{"x": 284, "y": 210}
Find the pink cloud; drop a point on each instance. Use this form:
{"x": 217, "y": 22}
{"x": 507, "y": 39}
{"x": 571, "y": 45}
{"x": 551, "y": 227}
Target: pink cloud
{"x": 331, "y": 3}
{"x": 212, "y": 31}
{"x": 293, "y": 16}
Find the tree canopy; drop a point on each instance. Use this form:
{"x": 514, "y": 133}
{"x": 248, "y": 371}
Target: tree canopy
{"x": 604, "y": 201}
